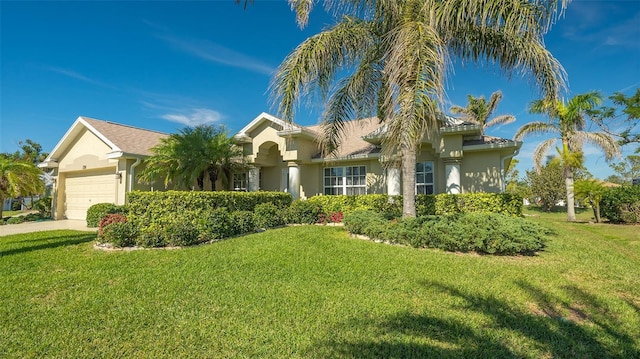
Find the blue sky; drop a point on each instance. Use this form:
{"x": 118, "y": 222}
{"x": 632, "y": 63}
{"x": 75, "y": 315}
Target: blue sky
{"x": 163, "y": 65}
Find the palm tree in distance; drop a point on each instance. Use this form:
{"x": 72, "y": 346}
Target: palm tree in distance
{"x": 395, "y": 54}
{"x": 568, "y": 123}
{"x": 18, "y": 178}
{"x": 478, "y": 111}
{"x": 192, "y": 154}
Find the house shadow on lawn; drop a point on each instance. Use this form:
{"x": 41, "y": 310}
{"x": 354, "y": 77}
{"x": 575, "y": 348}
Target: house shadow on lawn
{"x": 556, "y": 329}
{"x": 50, "y": 242}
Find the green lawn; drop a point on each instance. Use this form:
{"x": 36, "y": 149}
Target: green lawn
{"x": 312, "y": 291}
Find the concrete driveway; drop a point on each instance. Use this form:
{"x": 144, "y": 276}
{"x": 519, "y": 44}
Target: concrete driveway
{"x": 29, "y": 227}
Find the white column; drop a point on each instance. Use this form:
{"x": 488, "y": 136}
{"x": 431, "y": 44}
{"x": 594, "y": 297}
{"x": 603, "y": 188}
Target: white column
{"x": 452, "y": 172}
{"x": 393, "y": 181}
{"x": 254, "y": 179}
{"x": 294, "y": 180}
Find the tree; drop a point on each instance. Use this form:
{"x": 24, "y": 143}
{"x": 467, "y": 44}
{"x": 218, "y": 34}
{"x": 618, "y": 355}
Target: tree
{"x": 568, "y": 122}
{"x": 30, "y": 151}
{"x": 478, "y": 111}
{"x": 627, "y": 170}
{"x": 395, "y": 56}
{"x": 592, "y": 191}
{"x": 18, "y": 178}
{"x": 625, "y": 116}
{"x": 546, "y": 185}
{"x": 192, "y": 154}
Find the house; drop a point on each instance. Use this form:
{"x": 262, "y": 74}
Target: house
{"x": 285, "y": 157}
{"x": 97, "y": 161}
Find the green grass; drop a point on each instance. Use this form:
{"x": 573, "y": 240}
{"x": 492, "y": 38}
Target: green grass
{"x": 313, "y": 291}
{"x": 17, "y": 213}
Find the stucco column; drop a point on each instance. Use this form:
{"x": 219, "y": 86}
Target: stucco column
{"x": 254, "y": 179}
{"x": 294, "y": 180}
{"x": 452, "y": 173}
{"x": 393, "y": 181}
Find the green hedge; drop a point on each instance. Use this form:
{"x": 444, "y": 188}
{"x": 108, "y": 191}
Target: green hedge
{"x": 100, "y": 210}
{"x": 146, "y": 208}
{"x": 621, "y": 204}
{"x": 440, "y": 204}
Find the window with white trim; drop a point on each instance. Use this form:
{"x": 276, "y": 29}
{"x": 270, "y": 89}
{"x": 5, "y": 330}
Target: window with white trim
{"x": 424, "y": 177}
{"x": 349, "y": 180}
{"x": 240, "y": 181}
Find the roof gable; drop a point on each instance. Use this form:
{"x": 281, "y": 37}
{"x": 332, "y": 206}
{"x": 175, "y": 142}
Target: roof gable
{"x": 121, "y": 139}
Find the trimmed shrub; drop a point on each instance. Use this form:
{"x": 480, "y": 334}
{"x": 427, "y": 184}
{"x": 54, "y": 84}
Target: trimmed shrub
{"x": 108, "y": 219}
{"x": 242, "y": 222}
{"x": 489, "y": 233}
{"x": 303, "y": 212}
{"x": 152, "y": 236}
{"x": 146, "y": 208}
{"x": 15, "y": 220}
{"x": 120, "y": 234}
{"x": 215, "y": 224}
{"x": 333, "y": 217}
{"x": 99, "y": 210}
{"x": 621, "y": 204}
{"x": 504, "y": 203}
{"x": 267, "y": 215}
{"x": 181, "y": 233}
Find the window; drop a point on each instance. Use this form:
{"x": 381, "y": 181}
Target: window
{"x": 345, "y": 180}
{"x": 239, "y": 181}
{"x": 424, "y": 177}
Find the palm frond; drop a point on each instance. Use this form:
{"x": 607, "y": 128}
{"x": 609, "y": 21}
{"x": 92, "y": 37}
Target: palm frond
{"x": 604, "y": 141}
{"x": 501, "y": 120}
{"x": 540, "y": 153}
{"x": 534, "y": 128}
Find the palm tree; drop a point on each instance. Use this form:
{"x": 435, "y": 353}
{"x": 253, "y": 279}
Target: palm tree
{"x": 18, "y": 178}
{"x": 396, "y": 53}
{"x": 191, "y": 155}
{"x": 478, "y": 111}
{"x": 568, "y": 122}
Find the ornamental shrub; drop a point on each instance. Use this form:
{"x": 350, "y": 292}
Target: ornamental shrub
{"x": 120, "y": 234}
{"x": 621, "y": 204}
{"x": 15, "y": 220}
{"x": 215, "y": 224}
{"x": 159, "y": 207}
{"x": 181, "y": 233}
{"x": 267, "y": 215}
{"x": 303, "y": 212}
{"x": 107, "y": 220}
{"x": 242, "y": 222}
{"x": 151, "y": 236}
{"x": 98, "y": 211}
{"x": 489, "y": 233}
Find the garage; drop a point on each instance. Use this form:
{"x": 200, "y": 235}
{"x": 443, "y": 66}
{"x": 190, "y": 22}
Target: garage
{"x": 82, "y": 190}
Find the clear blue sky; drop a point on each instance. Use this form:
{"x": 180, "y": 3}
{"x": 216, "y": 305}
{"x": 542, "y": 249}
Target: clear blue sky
{"x": 163, "y": 65}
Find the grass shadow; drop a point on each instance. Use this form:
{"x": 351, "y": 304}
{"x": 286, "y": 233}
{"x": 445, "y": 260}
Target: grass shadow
{"x": 51, "y": 242}
{"x": 554, "y": 328}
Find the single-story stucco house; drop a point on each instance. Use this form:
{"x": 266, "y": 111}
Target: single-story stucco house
{"x": 97, "y": 161}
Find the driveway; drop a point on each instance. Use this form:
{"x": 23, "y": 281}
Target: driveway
{"x": 29, "y": 227}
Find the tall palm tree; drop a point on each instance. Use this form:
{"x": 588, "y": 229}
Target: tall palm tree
{"x": 568, "y": 123}
{"x": 478, "y": 111}
{"x": 18, "y": 178}
{"x": 396, "y": 54}
{"x": 192, "y": 154}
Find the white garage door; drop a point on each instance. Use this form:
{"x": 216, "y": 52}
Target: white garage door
{"x": 86, "y": 189}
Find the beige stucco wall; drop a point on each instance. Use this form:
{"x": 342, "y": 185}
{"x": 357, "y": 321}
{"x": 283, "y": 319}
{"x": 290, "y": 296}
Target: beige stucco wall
{"x": 480, "y": 172}
{"x": 85, "y": 153}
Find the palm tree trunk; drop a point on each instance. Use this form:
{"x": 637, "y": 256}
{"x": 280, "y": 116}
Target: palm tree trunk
{"x": 408, "y": 181}
{"x": 213, "y": 177}
{"x": 568, "y": 180}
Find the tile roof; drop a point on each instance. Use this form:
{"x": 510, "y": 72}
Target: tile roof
{"x": 486, "y": 140}
{"x": 352, "y": 143}
{"x": 129, "y": 139}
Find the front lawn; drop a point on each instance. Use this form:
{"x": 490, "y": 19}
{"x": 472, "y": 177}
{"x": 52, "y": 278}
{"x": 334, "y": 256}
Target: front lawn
{"x": 312, "y": 291}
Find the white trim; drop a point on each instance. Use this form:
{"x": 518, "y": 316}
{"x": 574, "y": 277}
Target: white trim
{"x": 244, "y": 132}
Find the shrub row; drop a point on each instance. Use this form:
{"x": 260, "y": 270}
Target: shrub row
{"x": 621, "y": 204}
{"x": 490, "y": 233}
{"x": 146, "y": 208}
{"x": 100, "y": 210}
{"x": 440, "y": 204}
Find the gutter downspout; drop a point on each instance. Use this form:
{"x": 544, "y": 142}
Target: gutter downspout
{"x": 131, "y": 173}
{"x": 502, "y": 172}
